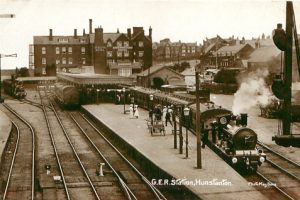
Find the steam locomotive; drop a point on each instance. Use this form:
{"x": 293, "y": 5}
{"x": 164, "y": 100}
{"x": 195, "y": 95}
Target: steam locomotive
{"x": 224, "y": 132}
{"x": 229, "y": 136}
{"x": 14, "y": 88}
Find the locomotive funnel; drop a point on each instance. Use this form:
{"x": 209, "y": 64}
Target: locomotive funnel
{"x": 244, "y": 119}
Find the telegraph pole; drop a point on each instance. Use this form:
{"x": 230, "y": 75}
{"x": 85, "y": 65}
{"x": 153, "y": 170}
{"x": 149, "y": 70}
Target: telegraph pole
{"x": 198, "y": 128}
{"x": 13, "y": 55}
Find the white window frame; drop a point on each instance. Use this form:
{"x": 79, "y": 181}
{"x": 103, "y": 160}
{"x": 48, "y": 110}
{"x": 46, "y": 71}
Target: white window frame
{"x": 119, "y": 54}
{"x": 141, "y": 44}
{"x": 83, "y": 61}
{"x": 126, "y": 43}
{"x": 119, "y": 43}
{"x": 44, "y": 50}
{"x": 70, "y": 61}
{"x": 57, "y": 61}
{"x": 44, "y": 61}
{"x": 124, "y": 72}
{"x": 64, "y": 50}
{"x": 141, "y": 54}
{"x": 64, "y": 61}
{"x": 109, "y": 54}
{"x": 126, "y": 53}
{"x": 82, "y": 50}
{"x": 70, "y": 50}
{"x": 109, "y": 44}
{"x": 57, "y": 50}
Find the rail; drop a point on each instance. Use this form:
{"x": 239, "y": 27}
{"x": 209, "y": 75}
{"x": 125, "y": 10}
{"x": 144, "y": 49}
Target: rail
{"x": 54, "y": 146}
{"x": 33, "y": 146}
{"x": 13, "y": 160}
{"x": 72, "y": 146}
{"x": 156, "y": 192}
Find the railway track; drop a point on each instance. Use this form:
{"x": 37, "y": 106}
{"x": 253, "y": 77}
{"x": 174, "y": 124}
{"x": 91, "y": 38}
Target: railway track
{"x": 281, "y": 171}
{"x": 135, "y": 183}
{"x": 116, "y": 167}
{"x": 20, "y": 182}
{"x": 76, "y": 180}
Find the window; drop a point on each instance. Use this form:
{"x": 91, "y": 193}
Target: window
{"x": 64, "y": 61}
{"x": 109, "y": 53}
{"x": 124, "y": 72}
{"x": 141, "y": 43}
{"x": 82, "y": 40}
{"x": 126, "y": 44}
{"x": 63, "y": 50}
{"x": 83, "y": 61}
{"x": 126, "y": 53}
{"x": 109, "y": 44}
{"x": 70, "y": 61}
{"x": 57, "y": 50}
{"x": 119, "y": 43}
{"x": 43, "y": 50}
{"x": 57, "y": 61}
{"x": 141, "y": 53}
{"x": 44, "y": 61}
{"x": 82, "y": 50}
{"x": 44, "y": 71}
{"x": 63, "y": 40}
{"x": 119, "y": 53}
{"x": 70, "y": 50}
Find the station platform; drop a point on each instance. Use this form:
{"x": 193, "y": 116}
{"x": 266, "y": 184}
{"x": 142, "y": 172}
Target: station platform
{"x": 5, "y": 128}
{"x": 216, "y": 179}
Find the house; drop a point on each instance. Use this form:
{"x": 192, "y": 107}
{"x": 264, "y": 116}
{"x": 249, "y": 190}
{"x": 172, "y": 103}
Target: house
{"x": 116, "y": 53}
{"x": 166, "y": 50}
{"x": 159, "y": 75}
{"x": 231, "y": 56}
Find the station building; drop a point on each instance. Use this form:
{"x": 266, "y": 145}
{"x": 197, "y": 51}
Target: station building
{"x": 116, "y": 53}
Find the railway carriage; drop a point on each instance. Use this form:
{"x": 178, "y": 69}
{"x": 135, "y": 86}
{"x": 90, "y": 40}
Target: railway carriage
{"x": 67, "y": 95}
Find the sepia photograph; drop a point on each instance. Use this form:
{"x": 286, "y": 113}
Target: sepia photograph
{"x": 149, "y": 100}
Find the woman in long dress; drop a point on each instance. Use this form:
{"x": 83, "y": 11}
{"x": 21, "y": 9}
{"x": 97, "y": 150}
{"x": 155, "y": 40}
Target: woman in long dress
{"x": 136, "y": 113}
{"x": 130, "y": 111}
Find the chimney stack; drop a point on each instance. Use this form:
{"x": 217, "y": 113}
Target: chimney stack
{"x": 50, "y": 35}
{"x": 129, "y": 33}
{"x": 91, "y": 26}
{"x": 75, "y": 33}
{"x": 83, "y": 32}
{"x": 150, "y": 32}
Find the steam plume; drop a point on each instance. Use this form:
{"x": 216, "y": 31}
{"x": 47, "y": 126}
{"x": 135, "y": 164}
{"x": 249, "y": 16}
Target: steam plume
{"x": 253, "y": 91}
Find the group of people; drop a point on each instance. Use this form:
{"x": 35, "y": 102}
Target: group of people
{"x": 133, "y": 111}
{"x": 164, "y": 115}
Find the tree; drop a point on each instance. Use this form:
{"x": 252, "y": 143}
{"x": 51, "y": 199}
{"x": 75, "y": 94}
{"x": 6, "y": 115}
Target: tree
{"x": 226, "y": 76}
{"x": 22, "y": 72}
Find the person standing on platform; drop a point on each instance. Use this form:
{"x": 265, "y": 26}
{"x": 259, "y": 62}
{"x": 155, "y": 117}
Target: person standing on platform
{"x": 136, "y": 113}
{"x": 168, "y": 118}
{"x": 170, "y": 110}
{"x": 165, "y": 109}
{"x": 131, "y": 110}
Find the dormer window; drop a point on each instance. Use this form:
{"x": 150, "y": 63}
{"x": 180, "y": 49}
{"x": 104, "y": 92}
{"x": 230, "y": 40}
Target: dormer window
{"x": 119, "y": 43}
{"x": 141, "y": 43}
{"x": 109, "y": 44}
{"x": 126, "y": 44}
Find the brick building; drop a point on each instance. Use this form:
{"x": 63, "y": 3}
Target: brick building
{"x": 166, "y": 50}
{"x": 110, "y": 53}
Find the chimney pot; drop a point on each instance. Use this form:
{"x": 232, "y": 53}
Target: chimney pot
{"x": 50, "y": 34}
{"x": 75, "y": 33}
{"x": 91, "y": 26}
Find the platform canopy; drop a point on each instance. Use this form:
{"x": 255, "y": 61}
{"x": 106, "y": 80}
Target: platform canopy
{"x": 95, "y": 79}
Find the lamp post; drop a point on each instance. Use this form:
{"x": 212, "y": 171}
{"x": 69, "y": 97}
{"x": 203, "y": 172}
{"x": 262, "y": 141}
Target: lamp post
{"x": 186, "y": 112}
{"x": 175, "y": 126}
{"x": 124, "y": 90}
{"x": 3, "y": 56}
{"x": 151, "y": 101}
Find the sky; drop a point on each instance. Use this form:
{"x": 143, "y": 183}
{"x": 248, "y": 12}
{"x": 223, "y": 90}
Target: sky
{"x": 185, "y": 20}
